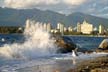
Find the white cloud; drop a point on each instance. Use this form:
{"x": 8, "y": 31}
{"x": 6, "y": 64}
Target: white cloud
{"x": 74, "y": 2}
{"x": 28, "y": 3}
{"x": 34, "y": 3}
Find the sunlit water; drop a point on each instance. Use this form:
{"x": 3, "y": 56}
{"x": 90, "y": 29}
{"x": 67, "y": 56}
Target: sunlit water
{"x": 37, "y": 53}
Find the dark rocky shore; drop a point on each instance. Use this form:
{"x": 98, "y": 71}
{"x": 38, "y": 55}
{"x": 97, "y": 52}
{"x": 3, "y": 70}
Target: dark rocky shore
{"x": 99, "y": 64}
{"x": 103, "y": 47}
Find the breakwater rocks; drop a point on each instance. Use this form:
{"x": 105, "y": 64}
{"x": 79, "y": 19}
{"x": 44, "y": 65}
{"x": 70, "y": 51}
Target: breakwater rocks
{"x": 65, "y": 44}
{"x": 103, "y": 47}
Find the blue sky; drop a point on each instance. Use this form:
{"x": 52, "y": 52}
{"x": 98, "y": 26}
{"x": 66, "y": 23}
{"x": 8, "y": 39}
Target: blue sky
{"x": 93, "y": 7}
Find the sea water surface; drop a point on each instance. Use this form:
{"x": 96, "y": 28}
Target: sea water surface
{"x": 84, "y": 42}
{"x": 56, "y": 62}
{"x": 35, "y": 51}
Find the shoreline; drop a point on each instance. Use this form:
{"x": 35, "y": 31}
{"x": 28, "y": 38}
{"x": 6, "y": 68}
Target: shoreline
{"x": 85, "y": 36}
{"x": 98, "y": 64}
{"x": 68, "y": 64}
{"x": 62, "y": 35}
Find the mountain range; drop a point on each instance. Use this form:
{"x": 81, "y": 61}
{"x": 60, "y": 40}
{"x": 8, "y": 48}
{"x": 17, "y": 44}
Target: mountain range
{"x": 18, "y": 17}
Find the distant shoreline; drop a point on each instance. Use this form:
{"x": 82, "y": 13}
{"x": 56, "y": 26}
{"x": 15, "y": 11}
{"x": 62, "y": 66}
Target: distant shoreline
{"x": 63, "y": 35}
{"x": 86, "y": 35}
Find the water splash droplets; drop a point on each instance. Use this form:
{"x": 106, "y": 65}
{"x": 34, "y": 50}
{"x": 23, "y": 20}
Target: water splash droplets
{"x": 37, "y": 43}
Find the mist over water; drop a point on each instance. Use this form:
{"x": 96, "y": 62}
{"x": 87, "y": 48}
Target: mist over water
{"x": 37, "y": 43}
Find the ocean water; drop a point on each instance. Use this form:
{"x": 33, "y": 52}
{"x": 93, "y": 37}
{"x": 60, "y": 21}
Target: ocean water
{"x": 35, "y": 51}
{"x": 47, "y": 63}
{"x": 89, "y": 43}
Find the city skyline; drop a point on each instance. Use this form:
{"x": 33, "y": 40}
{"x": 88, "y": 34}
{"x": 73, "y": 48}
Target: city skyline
{"x": 84, "y": 28}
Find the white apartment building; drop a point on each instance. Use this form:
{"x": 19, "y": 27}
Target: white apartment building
{"x": 101, "y": 29}
{"x": 85, "y": 28}
{"x": 60, "y": 27}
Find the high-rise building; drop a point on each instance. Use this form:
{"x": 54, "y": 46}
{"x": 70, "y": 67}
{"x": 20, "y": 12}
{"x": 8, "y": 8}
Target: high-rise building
{"x": 101, "y": 29}
{"x": 60, "y": 28}
{"x": 49, "y": 27}
{"x": 85, "y": 27}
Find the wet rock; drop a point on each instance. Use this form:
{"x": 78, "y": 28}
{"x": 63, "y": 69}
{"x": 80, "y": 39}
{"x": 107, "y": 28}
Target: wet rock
{"x": 103, "y": 46}
{"x": 65, "y": 44}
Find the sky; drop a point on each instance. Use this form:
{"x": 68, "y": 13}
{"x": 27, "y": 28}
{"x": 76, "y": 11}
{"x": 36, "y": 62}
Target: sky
{"x": 93, "y": 7}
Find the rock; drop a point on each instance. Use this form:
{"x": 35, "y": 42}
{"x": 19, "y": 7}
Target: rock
{"x": 65, "y": 44}
{"x": 104, "y": 45}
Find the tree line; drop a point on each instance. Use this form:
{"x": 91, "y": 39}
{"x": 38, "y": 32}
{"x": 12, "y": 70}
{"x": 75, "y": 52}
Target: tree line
{"x": 8, "y": 30}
